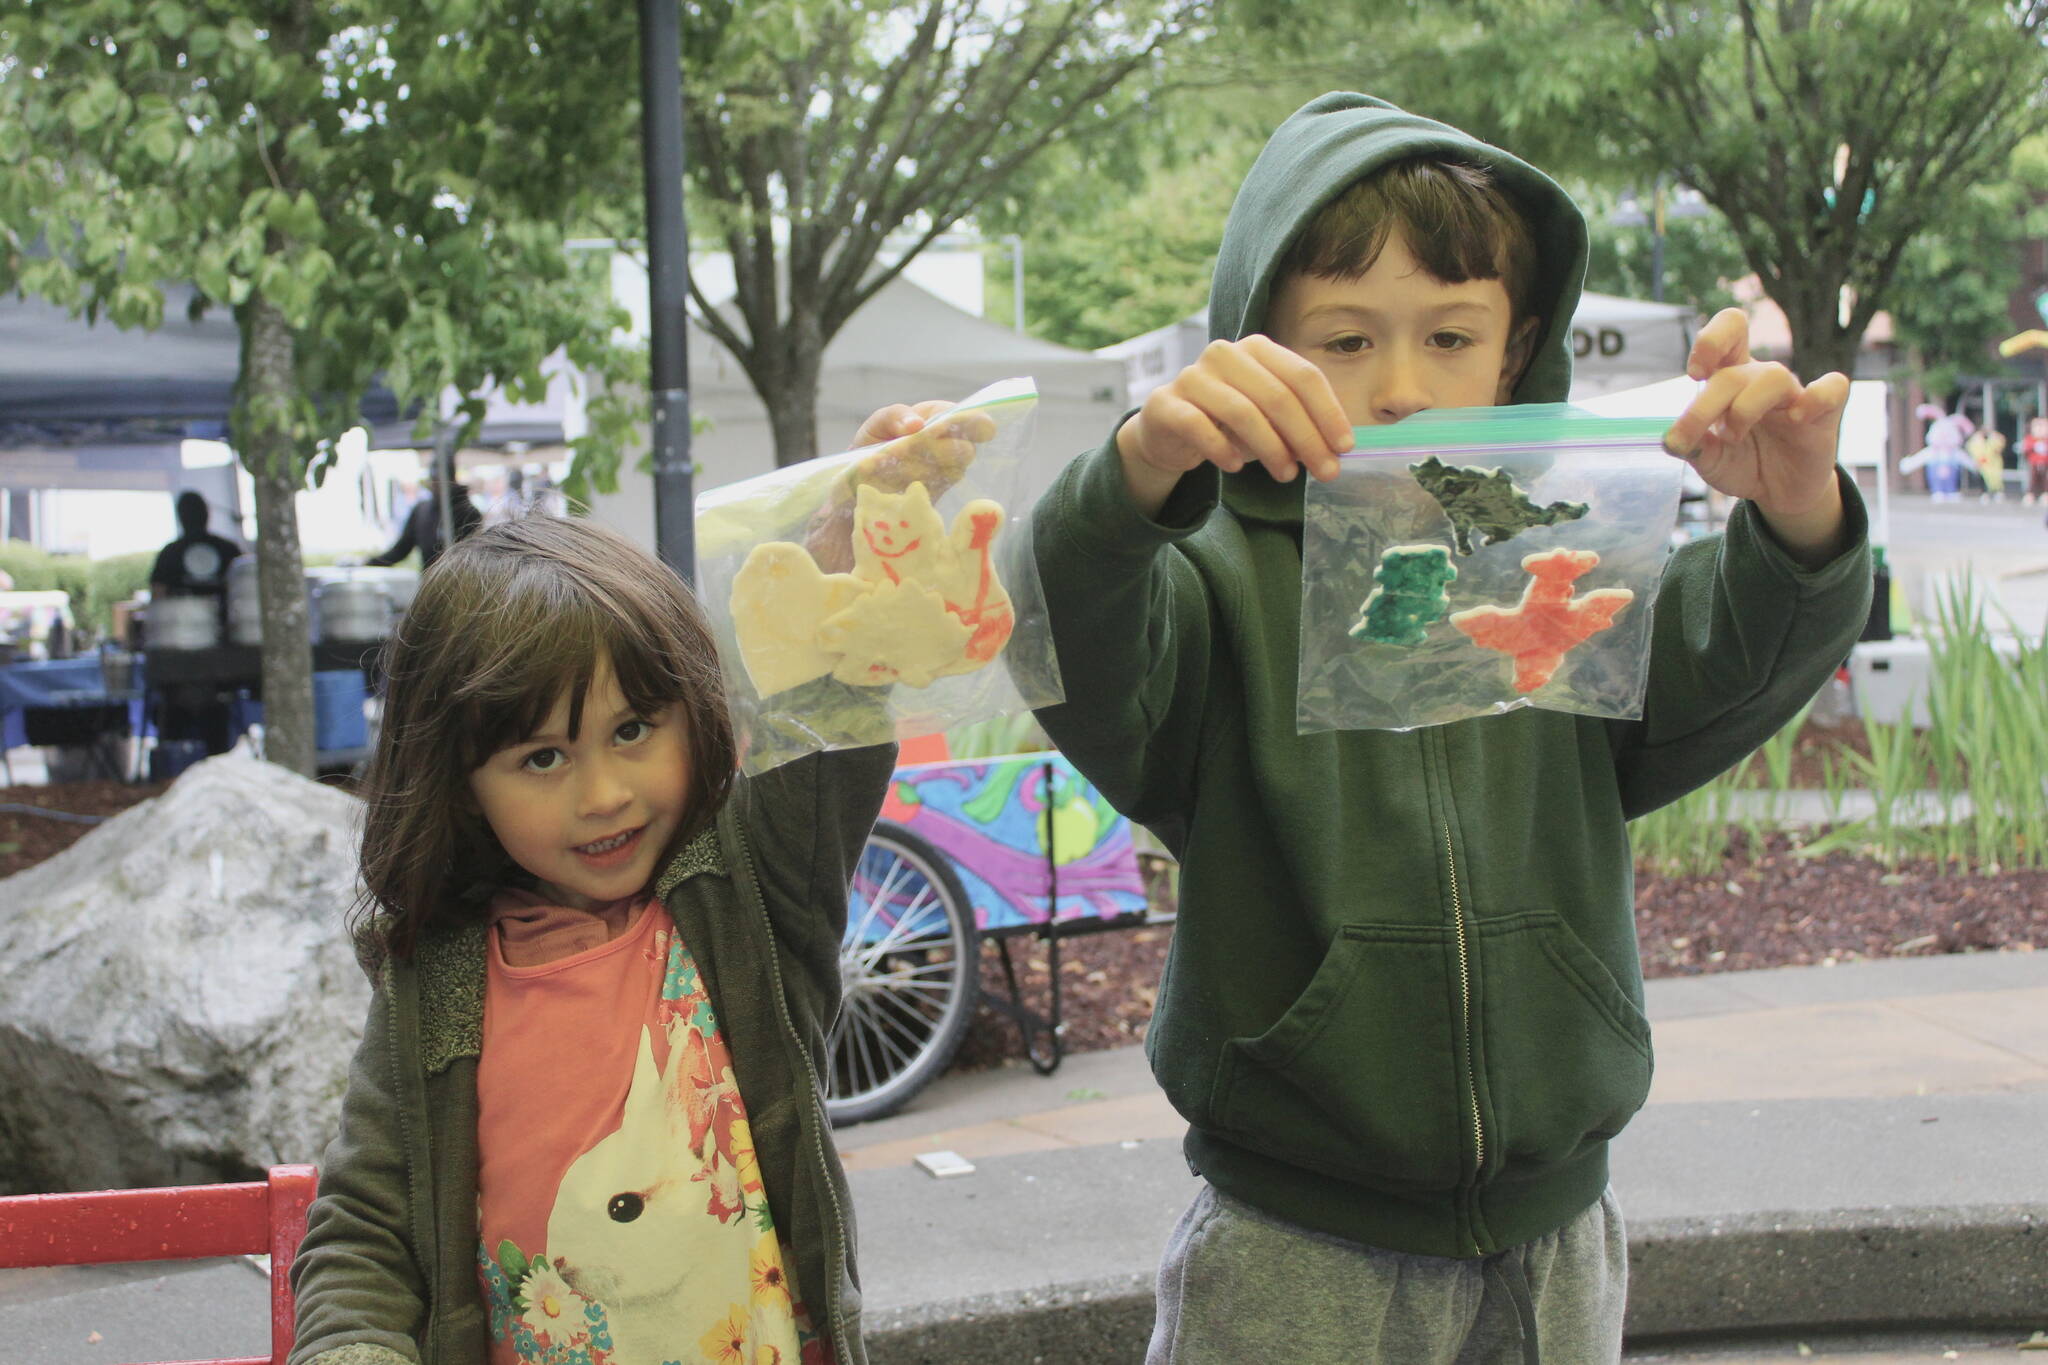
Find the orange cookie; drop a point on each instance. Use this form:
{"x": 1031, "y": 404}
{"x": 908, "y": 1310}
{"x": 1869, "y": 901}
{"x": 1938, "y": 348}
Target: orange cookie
{"x": 1549, "y": 622}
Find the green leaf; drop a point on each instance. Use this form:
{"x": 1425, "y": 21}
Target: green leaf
{"x": 205, "y": 43}
{"x": 305, "y": 221}
{"x": 277, "y": 210}
{"x": 161, "y": 142}
{"x": 171, "y": 18}
{"x": 512, "y": 1261}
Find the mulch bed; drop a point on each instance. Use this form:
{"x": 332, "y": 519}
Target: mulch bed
{"x": 1778, "y": 911}
{"x": 1774, "y": 910}
{"x": 26, "y": 840}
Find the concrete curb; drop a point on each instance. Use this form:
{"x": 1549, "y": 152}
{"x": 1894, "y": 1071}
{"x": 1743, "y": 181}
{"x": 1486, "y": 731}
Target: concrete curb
{"x": 1839, "y": 1269}
{"x": 1109, "y": 1319}
{"x": 1879, "y": 1270}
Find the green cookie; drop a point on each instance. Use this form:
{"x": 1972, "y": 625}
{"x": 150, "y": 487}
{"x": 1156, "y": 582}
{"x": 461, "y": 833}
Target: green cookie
{"x": 1486, "y": 501}
{"x": 1411, "y": 594}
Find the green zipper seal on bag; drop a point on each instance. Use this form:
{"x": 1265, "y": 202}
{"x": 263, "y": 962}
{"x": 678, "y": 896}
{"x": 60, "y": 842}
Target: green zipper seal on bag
{"x": 1526, "y": 424}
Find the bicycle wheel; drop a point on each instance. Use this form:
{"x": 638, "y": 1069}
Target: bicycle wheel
{"x": 909, "y": 966}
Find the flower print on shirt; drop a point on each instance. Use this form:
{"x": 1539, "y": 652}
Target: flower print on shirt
{"x": 546, "y": 1322}
{"x": 660, "y": 1248}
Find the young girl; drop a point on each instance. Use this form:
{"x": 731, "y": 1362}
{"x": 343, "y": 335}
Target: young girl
{"x": 585, "y": 1123}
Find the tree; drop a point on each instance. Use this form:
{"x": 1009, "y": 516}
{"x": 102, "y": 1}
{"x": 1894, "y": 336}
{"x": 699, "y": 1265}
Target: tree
{"x": 369, "y": 189}
{"x": 1830, "y": 134}
{"x": 1950, "y": 302}
{"x": 1121, "y": 268}
{"x": 820, "y": 129}
{"x": 1701, "y": 256}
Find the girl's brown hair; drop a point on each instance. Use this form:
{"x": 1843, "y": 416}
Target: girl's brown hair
{"x": 505, "y": 625}
{"x": 1455, "y": 219}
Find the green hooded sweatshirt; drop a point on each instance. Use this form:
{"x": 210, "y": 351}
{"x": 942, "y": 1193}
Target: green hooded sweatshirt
{"x": 1403, "y": 1004}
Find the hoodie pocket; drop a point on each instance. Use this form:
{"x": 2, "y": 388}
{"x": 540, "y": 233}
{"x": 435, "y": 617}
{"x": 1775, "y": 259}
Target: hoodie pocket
{"x": 1358, "y": 1079}
{"x": 1565, "y": 1050}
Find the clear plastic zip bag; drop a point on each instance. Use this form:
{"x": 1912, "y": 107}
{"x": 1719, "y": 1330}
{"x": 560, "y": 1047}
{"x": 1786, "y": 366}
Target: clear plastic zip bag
{"x": 884, "y": 593}
{"x": 1467, "y": 562}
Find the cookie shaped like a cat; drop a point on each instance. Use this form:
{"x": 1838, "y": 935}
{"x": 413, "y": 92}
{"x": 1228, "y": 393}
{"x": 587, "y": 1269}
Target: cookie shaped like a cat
{"x": 921, "y": 602}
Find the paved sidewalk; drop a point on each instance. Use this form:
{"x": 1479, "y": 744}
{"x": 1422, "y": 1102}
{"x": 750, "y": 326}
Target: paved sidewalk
{"x": 1824, "y": 1148}
{"x": 1826, "y": 1151}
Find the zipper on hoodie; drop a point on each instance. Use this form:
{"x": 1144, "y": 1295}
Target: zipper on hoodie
{"x": 1469, "y": 1069}
{"x": 1471, "y": 1096}
{"x": 837, "y": 1263}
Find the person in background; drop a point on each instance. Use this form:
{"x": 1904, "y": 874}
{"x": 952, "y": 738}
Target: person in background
{"x": 422, "y": 529}
{"x": 196, "y": 563}
{"x": 2034, "y": 456}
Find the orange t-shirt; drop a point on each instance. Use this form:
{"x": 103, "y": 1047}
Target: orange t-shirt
{"x": 620, "y": 1212}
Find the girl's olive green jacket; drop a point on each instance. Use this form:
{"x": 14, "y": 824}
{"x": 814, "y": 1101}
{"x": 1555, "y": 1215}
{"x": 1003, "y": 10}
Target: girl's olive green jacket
{"x": 388, "y": 1270}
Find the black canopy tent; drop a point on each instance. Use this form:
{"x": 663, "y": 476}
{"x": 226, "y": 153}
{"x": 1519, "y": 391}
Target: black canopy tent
{"x": 66, "y": 383}
{"x": 88, "y": 405}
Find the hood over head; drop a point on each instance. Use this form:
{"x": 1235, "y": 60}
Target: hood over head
{"x": 1325, "y": 147}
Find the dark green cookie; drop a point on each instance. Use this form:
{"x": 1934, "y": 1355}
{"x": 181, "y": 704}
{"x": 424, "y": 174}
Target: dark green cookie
{"x": 1411, "y": 594}
{"x": 1486, "y": 501}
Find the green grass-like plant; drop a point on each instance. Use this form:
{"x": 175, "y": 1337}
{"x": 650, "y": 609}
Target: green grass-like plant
{"x": 1968, "y": 792}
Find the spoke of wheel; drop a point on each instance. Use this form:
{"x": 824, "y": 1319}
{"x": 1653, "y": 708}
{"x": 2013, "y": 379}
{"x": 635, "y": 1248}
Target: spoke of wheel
{"x": 895, "y": 985}
{"x": 897, "y": 866}
{"x": 925, "y": 1025}
{"x": 906, "y": 925}
{"x": 863, "y": 1051}
{"x": 892, "y": 1039}
{"x": 879, "y": 1029}
{"x": 945, "y": 967}
{"x": 908, "y": 929}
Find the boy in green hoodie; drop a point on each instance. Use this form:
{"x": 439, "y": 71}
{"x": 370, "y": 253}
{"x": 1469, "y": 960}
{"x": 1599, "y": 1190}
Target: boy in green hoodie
{"x": 1403, "y": 1009}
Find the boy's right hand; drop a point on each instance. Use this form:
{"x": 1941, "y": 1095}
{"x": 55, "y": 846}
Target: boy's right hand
{"x": 1241, "y": 401}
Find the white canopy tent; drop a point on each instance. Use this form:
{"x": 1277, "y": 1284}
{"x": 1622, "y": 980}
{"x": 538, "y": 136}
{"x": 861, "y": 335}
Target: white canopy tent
{"x": 904, "y": 346}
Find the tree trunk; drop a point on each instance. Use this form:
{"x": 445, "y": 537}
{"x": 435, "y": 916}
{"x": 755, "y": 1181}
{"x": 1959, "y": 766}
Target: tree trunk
{"x": 793, "y": 408}
{"x": 267, "y": 453}
{"x": 1813, "y": 312}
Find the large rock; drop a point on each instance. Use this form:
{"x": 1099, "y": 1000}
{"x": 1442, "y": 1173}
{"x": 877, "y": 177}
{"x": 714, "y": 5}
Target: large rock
{"x": 178, "y": 998}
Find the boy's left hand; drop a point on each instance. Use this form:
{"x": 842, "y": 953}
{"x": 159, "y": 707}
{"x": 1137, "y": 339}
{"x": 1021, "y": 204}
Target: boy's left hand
{"x": 1755, "y": 432}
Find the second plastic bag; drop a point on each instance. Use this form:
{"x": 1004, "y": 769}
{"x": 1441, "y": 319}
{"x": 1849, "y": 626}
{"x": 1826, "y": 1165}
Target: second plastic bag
{"x": 885, "y": 593}
{"x": 1471, "y": 561}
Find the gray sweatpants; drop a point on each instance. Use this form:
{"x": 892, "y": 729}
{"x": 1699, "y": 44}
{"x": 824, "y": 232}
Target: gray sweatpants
{"x": 1238, "y": 1285}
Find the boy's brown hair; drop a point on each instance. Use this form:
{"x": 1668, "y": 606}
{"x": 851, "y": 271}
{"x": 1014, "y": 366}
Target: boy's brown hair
{"x": 505, "y": 625}
{"x": 1456, "y": 221}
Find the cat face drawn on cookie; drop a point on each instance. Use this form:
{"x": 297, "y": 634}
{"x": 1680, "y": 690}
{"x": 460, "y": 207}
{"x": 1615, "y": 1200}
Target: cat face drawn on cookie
{"x": 896, "y": 535}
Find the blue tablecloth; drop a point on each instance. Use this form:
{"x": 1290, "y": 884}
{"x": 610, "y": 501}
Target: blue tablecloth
{"x": 54, "y": 682}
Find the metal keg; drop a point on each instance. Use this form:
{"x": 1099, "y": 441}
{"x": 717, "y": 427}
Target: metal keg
{"x": 182, "y": 623}
{"x": 400, "y": 585}
{"x": 354, "y": 610}
{"x": 245, "y": 608}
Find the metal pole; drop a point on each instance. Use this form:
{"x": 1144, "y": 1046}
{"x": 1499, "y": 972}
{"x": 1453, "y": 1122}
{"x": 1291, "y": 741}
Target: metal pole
{"x": 1657, "y": 242}
{"x": 668, "y": 281}
{"x": 444, "y": 479}
{"x": 1016, "y": 244}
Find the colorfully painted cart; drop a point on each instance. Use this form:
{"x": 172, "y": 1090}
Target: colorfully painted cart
{"x": 968, "y": 851}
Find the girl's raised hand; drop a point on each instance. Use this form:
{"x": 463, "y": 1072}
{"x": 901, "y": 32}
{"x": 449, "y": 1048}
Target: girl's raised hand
{"x": 907, "y": 419}
{"x": 1755, "y": 432}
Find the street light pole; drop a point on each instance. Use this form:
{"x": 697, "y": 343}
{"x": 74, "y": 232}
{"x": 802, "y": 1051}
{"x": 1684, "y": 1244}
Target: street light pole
{"x": 1016, "y": 244}
{"x": 1657, "y": 240}
{"x": 668, "y": 281}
